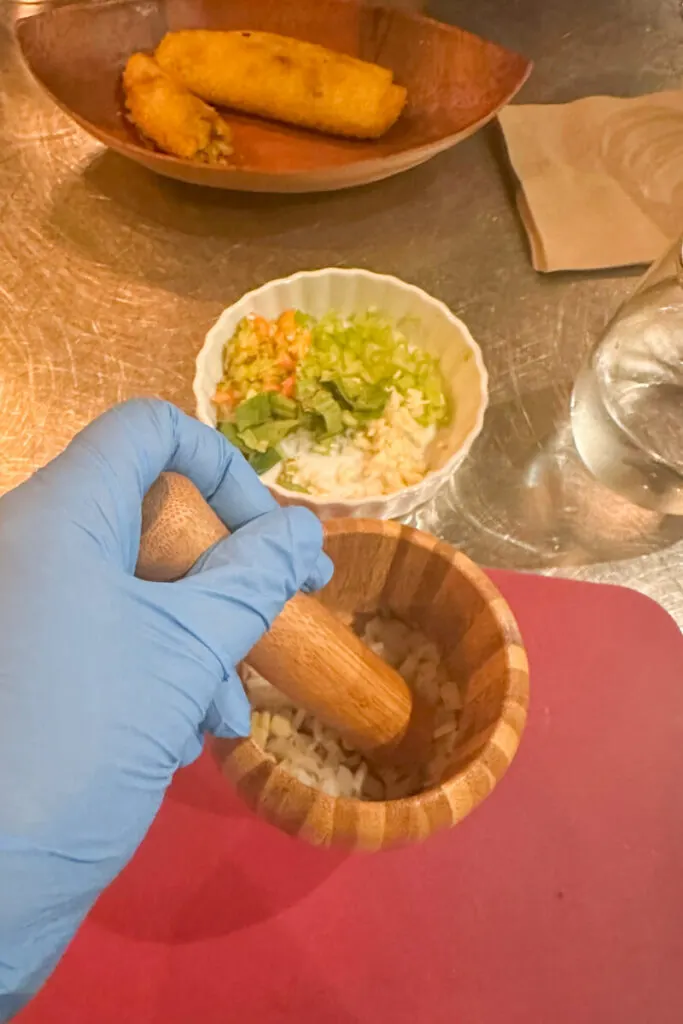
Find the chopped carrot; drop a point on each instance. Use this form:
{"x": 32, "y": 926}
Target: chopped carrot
{"x": 286, "y": 321}
{"x": 261, "y": 325}
{"x": 288, "y": 387}
{"x": 301, "y": 344}
{"x": 223, "y": 398}
{"x": 286, "y": 362}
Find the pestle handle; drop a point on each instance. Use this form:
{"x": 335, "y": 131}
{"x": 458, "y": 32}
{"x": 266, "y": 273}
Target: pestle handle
{"x": 308, "y": 653}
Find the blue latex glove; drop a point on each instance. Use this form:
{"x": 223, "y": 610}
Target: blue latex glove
{"x": 108, "y": 683}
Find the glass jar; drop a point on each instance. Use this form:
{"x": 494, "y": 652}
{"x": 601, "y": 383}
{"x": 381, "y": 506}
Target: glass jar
{"x": 627, "y": 403}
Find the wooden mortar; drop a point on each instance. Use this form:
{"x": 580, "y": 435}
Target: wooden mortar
{"x": 433, "y": 587}
{"x": 314, "y": 659}
{"x": 381, "y": 565}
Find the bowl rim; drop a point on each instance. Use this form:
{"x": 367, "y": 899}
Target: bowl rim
{"x": 419, "y": 153}
{"x": 515, "y": 695}
{"x": 413, "y": 491}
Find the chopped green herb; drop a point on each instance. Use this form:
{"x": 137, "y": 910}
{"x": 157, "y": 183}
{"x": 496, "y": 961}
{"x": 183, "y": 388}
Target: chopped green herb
{"x": 253, "y": 411}
{"x": 269, "y": 434}
{"x": 322, "y": 403}
{"x": 249, "y": 442}
{"x": 228, "y": 430}
{"x": 283, "y": 408}
{"x": 261, "y": 462}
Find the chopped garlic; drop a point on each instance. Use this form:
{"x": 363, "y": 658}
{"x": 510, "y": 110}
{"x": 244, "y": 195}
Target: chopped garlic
{"x": 318, "y": 757}
{"x": 390, "y": 454}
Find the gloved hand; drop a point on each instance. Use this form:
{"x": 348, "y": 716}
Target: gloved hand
{"x": 108, "y": 683}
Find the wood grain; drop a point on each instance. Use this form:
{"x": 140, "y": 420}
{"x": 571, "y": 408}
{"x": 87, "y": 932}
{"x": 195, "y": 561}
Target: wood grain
{"x": 456, "y": 83}
{"x": 461, "y": 610}
{"x": 314, "y": 659}
{"x": 383, "y": 565}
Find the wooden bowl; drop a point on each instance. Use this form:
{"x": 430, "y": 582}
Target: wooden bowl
{"x": 456, "y": 83}
{"x": 430, "y": 585}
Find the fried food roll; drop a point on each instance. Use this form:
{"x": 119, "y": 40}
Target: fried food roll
{"x": 285, "y": 79}
{"x": 168, "y": 114}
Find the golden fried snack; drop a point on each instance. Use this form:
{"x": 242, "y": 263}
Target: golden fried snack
{"x": 168, "y": 114}
{"x": 285, "y": 79}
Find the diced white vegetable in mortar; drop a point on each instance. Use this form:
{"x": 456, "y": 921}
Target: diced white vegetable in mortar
{"x": 331, "y": 787}
{"x": 451, "y": 697}
{"x": 345, "y": 780}
{"x": 408, "y": 666}
{"x": 280, "y": 726}
{"x": 318, "y": 757}
{"x": 444, "y": 730}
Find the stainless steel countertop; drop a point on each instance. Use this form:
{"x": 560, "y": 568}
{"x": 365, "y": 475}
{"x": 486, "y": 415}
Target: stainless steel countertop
{"x": 109, "y": 278}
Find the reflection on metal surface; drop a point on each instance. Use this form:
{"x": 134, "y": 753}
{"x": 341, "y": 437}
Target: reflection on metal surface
{"x": 537, "y": 506}
{"x": 110, "y": 278}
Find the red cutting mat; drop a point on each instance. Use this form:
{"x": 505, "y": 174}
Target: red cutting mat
{"x": 559, "y": 901}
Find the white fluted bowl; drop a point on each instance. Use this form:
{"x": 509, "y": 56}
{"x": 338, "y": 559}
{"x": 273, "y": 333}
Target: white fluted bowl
{"x": 355, "y": 291}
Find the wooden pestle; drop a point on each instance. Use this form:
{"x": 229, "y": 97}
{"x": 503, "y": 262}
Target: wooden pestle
{"x": 308, "y": 654}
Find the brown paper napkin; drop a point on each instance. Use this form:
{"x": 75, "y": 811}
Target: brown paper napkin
{"x": 600, "y": 179}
